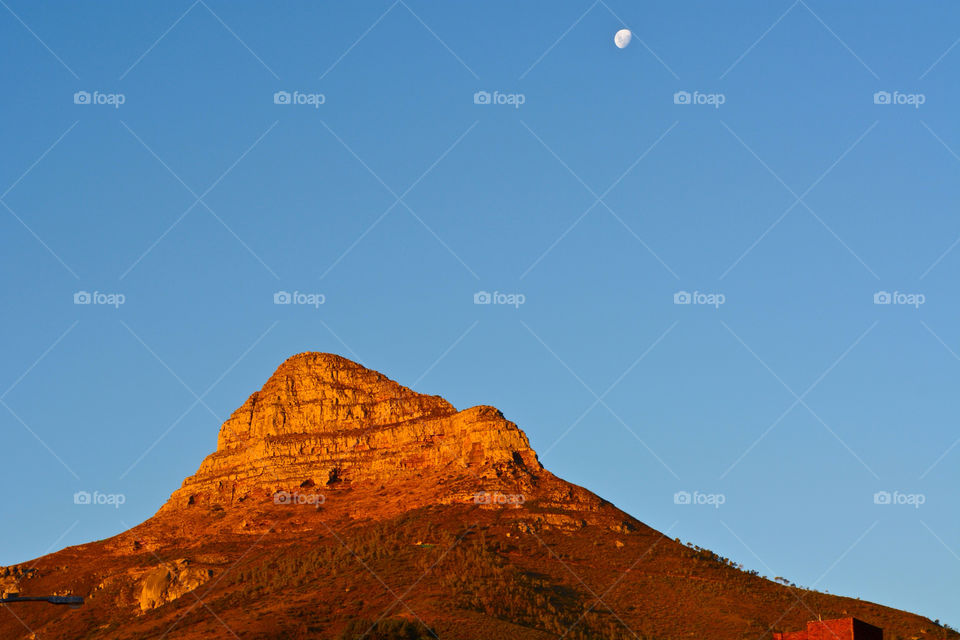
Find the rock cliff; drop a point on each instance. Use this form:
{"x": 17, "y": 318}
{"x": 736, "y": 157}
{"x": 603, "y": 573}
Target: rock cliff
{"x": 323, "y": 420}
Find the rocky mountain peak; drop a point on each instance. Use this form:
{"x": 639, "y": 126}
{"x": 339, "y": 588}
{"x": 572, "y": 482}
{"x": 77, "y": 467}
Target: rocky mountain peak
{"x": 313, "y": 393}
{"x": 322, "y": 419}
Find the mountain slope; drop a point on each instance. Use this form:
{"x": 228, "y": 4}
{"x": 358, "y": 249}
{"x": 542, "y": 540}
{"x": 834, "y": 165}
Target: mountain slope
{"x": 337, "y": 498}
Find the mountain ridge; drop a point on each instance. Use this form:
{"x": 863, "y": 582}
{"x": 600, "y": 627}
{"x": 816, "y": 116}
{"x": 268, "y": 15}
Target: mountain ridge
{"x": 337, "y": 497}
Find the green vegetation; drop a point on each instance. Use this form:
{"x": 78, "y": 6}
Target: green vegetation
{"x": 477, "y": 575}
{"x": 332, "y": 556}
{"x": 467, "y": 565}
{"x": 389, "y": 629}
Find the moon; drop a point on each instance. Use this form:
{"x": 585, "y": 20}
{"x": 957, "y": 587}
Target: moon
{"x": 622, "y": 38}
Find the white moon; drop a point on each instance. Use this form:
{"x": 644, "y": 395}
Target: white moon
{"x": 622, "y": 39}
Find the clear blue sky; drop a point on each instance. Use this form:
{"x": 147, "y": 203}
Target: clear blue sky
{"x": 797, "y": 200}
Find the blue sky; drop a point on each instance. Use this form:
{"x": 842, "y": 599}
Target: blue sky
{"x": 603, "y": 195}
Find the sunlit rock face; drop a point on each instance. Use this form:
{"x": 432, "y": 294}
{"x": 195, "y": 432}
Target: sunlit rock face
{"x": 322, "y": 419}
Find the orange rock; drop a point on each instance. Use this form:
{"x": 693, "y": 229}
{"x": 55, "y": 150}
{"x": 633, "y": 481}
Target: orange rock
{"x": 322, "y": 419}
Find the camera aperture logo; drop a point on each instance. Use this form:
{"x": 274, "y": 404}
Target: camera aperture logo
{"x": 697, "y": 498}
{"x": 97, "y": 297}
{"x": 309, "y": 299}
{"x": 897, "y": 98}
{"x": 709, "y": 99}
{"x": 97, "y": 498}
{"x": 510, "y": 299}
{"x": 511, "y": 99}
{"x": 297, "y": 498}
{"x": 711, "y": 299}
{"x": 99, "y": 98}
{"x": 899, "y": 498}
{"x": 899, "y": 298}
{"x": 497, "y": 498}
{"x": 299, "y": 98}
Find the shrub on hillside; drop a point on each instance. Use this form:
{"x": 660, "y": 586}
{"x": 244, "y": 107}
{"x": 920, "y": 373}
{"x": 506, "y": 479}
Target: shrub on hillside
{"x": 389, "y": 629}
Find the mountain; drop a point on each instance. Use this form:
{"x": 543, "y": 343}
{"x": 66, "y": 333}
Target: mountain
{"x": 339, "y": 503}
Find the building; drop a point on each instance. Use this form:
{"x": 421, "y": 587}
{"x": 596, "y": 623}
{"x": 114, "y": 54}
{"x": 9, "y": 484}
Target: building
{"x": 839, "y": 629}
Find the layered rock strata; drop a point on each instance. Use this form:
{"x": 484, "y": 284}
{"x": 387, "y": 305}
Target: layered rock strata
{"x": 323, "y": 420}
